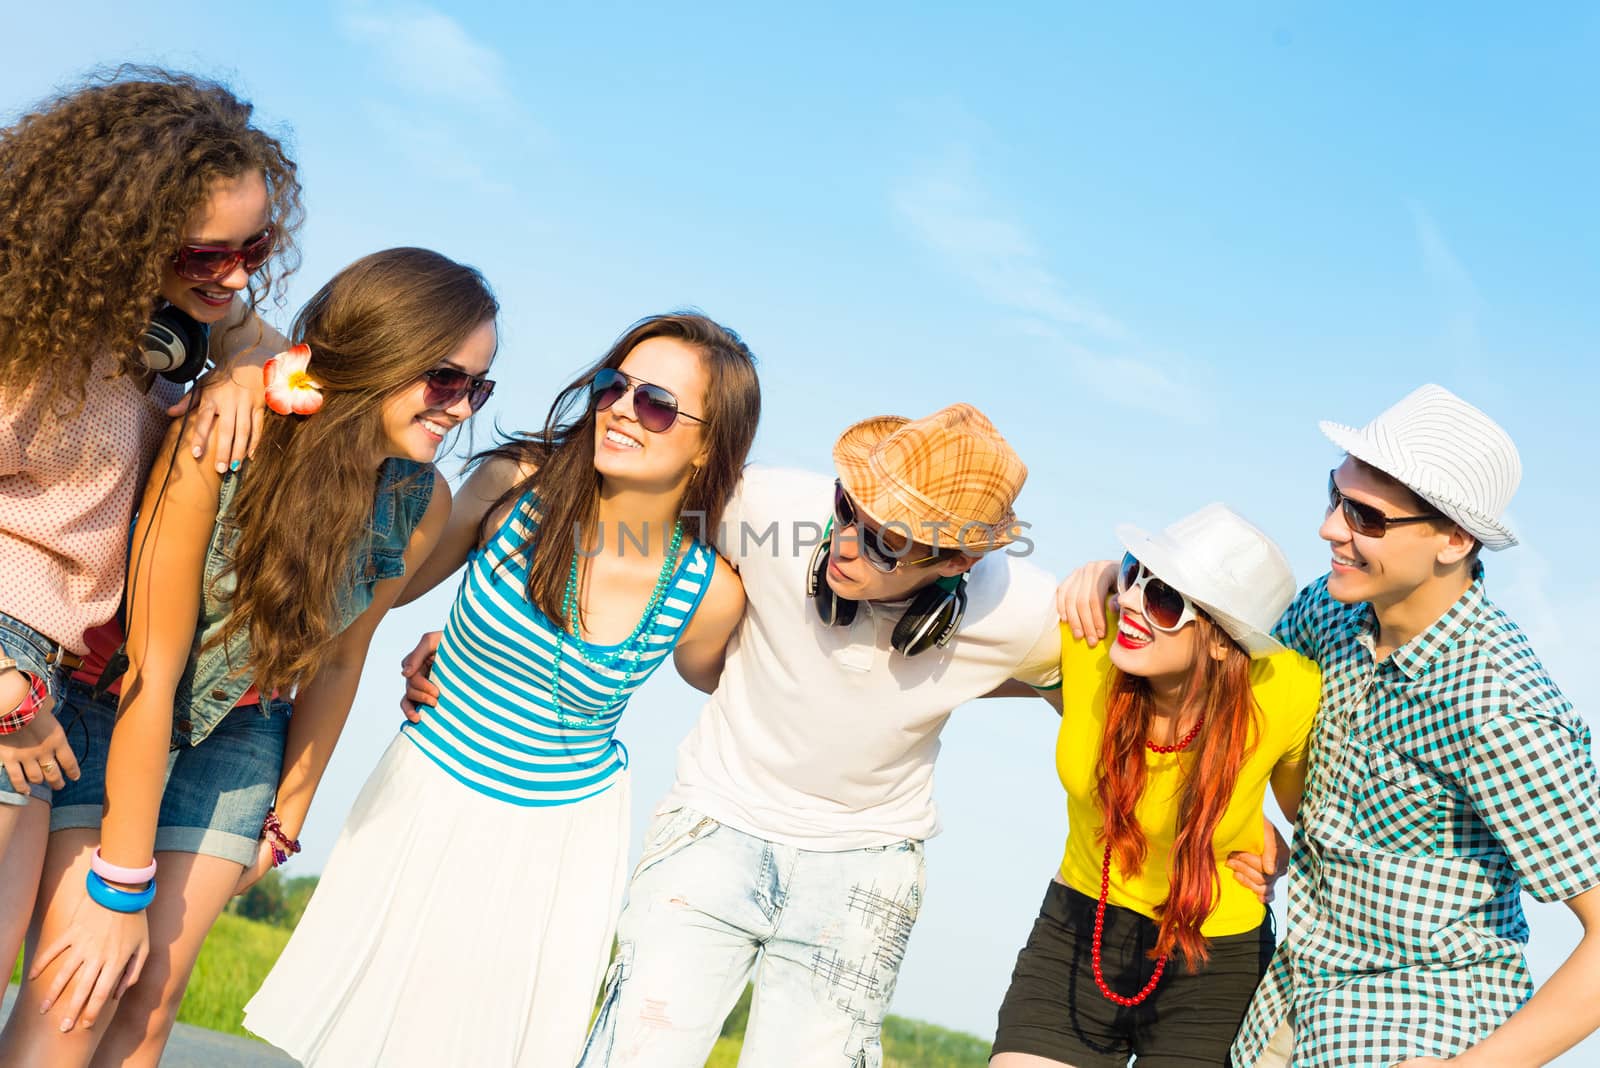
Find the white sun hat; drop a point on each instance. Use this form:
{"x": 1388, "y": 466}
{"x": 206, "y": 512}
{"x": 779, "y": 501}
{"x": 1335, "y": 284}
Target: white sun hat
{"x": 1225, "y": 565}
{"x": 1448, "y": 453}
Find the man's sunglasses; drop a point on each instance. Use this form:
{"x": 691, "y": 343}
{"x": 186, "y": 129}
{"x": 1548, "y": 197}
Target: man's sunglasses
{"x": 1165, "y": 608}
{"x": 871, "y": 542}
{"x": 213, "y": 263}
{"x": 654, "y": 406}
{"x": 1364, "y": 519}
{"x": 443, "y": 387}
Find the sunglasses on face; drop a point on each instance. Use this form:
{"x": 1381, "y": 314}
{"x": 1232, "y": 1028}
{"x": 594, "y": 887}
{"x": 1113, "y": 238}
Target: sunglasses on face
{"x": 870, "y": 542}
{"x": 1165, "y": 608}
{"x": 443, "y": 387}
{"x": 654, "y": 406}
{"x": 212, "y": 263}
{"x": 1365, "y": 519}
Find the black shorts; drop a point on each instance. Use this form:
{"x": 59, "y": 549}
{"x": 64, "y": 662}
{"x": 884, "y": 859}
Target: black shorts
{"x": 1054, "y": 1009}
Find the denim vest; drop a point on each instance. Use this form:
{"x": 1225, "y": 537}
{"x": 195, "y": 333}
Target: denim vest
{"x": 213, "y": 682}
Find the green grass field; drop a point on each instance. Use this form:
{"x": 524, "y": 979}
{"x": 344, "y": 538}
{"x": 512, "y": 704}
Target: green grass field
{"x": 239, "y": 953}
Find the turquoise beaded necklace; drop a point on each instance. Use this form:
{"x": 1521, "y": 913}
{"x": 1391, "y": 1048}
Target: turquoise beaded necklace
{"x": 631, "y": 647}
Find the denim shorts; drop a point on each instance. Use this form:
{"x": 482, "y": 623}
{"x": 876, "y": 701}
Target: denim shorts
{"x": 217, "y": 792}
{"x": 28, "y": 648}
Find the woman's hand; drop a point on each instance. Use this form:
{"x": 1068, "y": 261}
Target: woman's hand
{"x": 101, "y": 953}
{"x": 420, "y": 689}
{"x": 1081, "y": 599}
{"x": 257, "y": 869}
{"x": 229, "y": 402}
{"x": 1259, "y": 873}
{"x": 37, "y": 751}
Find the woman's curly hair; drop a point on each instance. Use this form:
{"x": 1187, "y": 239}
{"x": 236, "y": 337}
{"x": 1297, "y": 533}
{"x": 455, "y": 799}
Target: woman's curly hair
{"x": 96, "y": 187}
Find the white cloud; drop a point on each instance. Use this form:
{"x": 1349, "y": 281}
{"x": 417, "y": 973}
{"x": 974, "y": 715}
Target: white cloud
{"x": 1452, "y": 285}
{"x": 949, "y": 212}
{"x": 433, "y": 147}
{"x": 432, "y": 54}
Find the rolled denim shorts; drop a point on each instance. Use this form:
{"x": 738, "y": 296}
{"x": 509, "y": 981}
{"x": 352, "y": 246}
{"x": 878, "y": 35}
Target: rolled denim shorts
{"x": 28, "y": 648}
{"x": 217, "y": 791}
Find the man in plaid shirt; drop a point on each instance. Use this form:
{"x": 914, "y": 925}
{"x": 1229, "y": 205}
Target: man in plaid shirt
{"x": 1448, "y": 774}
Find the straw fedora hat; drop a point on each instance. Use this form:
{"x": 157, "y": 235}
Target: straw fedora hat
{"x": 947, "y": 480}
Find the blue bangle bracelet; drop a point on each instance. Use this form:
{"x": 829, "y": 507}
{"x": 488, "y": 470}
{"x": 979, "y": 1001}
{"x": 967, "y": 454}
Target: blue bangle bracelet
{"x": 108, "y": 896}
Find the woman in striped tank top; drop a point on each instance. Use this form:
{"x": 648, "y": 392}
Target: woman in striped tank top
{"x": 466, "y": 914}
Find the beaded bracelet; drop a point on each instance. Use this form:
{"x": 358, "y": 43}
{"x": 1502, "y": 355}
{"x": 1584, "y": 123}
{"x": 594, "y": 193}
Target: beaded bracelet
{"x": 108, "y": 896}
{"x": 283, "y": 847}
{"x": 117, "y": 873}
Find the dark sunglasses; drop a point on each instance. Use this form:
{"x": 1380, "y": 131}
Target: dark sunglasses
{"x": 443, "y": 387}
{"x": 872, "y": 547}
{"x": 654, "y": 406}
{"x": 1364, "y": 519}
{"x": 212, "y": 263}
{"x": 1164, "y": 607}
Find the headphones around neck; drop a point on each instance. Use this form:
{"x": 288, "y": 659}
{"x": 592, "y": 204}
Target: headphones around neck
{"x": 930, "y": 620}
{"x": 174, "y": 345}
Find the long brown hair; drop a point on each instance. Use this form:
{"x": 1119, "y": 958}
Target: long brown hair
{"x": 1220, "y": 691}
{"x": 95, "y": 189}
{"x": 568, "y": 486}
{"x": 305, "y": 505}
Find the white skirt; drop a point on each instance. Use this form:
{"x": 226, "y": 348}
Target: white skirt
{"x": 451, "y": 928}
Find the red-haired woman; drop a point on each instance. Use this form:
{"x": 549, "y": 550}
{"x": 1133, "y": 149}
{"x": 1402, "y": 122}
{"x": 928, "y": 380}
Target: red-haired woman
{"x": 1169, "y": 737}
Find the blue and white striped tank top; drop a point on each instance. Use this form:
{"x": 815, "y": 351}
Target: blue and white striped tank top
{"x": 496, "y": 728}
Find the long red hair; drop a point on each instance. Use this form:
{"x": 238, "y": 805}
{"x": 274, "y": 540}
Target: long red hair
{"x": 1219, "y": 690}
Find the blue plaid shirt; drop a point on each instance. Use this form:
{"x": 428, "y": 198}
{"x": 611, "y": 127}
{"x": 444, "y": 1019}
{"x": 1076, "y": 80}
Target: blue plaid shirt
{"x": 1443, "y": 782}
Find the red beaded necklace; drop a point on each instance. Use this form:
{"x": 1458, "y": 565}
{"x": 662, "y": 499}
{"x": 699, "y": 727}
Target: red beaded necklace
{"x": 1105, "y": 891}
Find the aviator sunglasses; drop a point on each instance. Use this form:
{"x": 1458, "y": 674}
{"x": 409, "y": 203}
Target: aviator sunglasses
{"x": 872, "y": 548}
{"x": 213, "y": 263}
{"x": 443, "y": 387}
{"x": 1165, "y": 608}
{"x": 1365, "y": 519}
{"x": 654, "y": 406}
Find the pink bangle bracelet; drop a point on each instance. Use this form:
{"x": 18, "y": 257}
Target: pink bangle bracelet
{"x": 117, "y": 874}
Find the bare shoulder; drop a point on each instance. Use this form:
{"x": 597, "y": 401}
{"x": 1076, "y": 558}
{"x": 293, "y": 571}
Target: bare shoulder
{"x": 722, "y": 605}
{"x": 490, "y": 481}
{"x": 439, "y": 500}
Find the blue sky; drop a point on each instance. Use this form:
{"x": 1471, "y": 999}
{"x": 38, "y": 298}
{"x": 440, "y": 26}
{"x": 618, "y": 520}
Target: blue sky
{"x": 1154, "y": 246}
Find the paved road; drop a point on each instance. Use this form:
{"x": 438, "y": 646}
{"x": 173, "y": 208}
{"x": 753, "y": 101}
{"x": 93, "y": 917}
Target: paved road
{"x": 195, "y": 1047}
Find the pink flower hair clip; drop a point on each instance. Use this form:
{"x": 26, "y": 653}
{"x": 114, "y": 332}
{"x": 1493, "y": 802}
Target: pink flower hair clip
{"x": 290, "y": 387}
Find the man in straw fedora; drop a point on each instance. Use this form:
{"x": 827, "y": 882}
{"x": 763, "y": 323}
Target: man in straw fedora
{"x": 1448, "y": 774}
{"x": 877, "y": 603}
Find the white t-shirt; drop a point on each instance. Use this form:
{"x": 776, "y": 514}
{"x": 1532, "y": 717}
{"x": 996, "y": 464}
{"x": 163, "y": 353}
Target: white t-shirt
{"x": 824, "y": 737}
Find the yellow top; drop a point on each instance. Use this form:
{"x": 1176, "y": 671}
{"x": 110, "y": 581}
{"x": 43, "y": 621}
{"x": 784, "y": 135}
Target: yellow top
{"x": 1286, "y": 687}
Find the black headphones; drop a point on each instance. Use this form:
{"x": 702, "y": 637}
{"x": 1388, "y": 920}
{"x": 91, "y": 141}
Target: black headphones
{"x": 930, "y": 620}
{"x": 174, "y": 345}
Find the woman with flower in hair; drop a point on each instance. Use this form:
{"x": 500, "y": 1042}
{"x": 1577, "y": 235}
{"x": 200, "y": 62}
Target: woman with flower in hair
{"x": 1146, "y": 945}
{"x": 251, "y": 593}
{"x": 142, "y": 208}
{"x": 466, "y": 914}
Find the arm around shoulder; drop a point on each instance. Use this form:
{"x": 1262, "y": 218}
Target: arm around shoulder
{"x": 702, "y": 649}
{"x": 471, "y": 504}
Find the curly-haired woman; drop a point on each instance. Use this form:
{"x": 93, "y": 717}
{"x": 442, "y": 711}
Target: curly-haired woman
{"x": 253, "y": 586}
{"x": 142, "y": 193}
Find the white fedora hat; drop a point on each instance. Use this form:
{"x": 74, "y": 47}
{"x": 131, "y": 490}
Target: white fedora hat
{"x": 1448, "y": 453}
{"x": 1225, "y": 565}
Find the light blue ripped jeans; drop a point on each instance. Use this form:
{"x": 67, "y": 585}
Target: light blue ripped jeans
{"x": 824, "y": 932}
